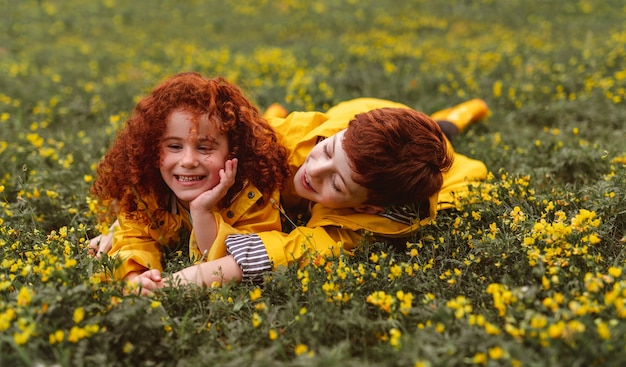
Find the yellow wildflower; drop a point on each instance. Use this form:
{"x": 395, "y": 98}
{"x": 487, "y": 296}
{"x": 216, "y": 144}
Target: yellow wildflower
{"x": 272, "y": 334}
{"x": 79, "y": 315}
{"x": 128, "y": 347}
{"x": 480, "y": 358}
{"x": 496, "y": 353}
{"x": 256, "y": 320}
{"x": 603, "y": 330}
{"x": 24, "y": 297}
{"x": 255, "y": 294}
{"x": 301, "y": 349}
{"x": 56, "y": 337}
{"x": 615, "y": 272}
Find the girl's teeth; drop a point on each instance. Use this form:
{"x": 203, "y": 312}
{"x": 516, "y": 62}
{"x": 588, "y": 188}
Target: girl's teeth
{"x": 188, "y": 179}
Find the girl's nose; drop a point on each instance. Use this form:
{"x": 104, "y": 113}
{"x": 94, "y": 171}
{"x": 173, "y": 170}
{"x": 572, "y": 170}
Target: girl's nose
{"x": 189, "y": 158}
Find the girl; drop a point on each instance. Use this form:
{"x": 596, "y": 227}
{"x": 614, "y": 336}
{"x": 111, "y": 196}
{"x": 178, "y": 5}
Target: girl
{"x": 194, "y": 151}
{"x": 366, "y": 165}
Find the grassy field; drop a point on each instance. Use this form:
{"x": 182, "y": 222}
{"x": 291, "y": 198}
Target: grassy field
{"x": 531, "y": 271}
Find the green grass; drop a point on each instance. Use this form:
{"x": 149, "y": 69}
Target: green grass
{"x": 531, "y": 271}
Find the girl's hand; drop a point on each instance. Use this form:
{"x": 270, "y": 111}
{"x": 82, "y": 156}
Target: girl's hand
{"x": 209, "y": 199}
{"x": 102, "y": 243}
{"x": 145, "y": 283}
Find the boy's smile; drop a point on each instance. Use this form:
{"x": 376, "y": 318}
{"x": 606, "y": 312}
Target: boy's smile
{"x": 326, "y": 176}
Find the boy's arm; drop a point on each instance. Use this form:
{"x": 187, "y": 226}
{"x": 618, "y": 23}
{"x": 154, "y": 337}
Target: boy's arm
{"x": 250, "y": 256}
{"x": 258, "y": 253}
{"x": 210, "y": 273}
{"x": 219, "y": 271}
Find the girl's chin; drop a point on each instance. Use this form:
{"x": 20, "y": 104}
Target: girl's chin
{"x": 186, "y": 197}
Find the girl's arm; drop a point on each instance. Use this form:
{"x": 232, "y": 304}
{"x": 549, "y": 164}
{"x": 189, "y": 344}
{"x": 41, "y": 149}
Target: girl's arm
{"x": 137, "y": 246}
{"x": 201, "y": 208}
{"x": 210, "y": 273}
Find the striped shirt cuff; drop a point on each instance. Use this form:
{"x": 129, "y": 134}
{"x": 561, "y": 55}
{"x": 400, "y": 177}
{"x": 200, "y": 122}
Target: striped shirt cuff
{"x": 250, "y": 254}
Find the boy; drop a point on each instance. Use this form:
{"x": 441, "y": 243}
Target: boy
{"x": 367, "y": 165}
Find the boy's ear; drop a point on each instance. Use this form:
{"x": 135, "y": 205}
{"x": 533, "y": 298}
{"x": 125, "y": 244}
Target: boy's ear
{"x": 369, "y": 209}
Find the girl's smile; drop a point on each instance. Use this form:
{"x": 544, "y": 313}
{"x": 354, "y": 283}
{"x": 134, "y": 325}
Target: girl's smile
{"x": 189, "y": 178}
{"x": 192, "y": 154}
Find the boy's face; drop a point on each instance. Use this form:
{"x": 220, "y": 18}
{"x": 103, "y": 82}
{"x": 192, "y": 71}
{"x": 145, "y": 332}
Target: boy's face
{"x": 191, "y": 155}
{"x": 326, "y": 176}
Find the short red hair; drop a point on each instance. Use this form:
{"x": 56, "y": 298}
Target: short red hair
{"x": 131, "y": 165}
{"x": 398, "y": 154}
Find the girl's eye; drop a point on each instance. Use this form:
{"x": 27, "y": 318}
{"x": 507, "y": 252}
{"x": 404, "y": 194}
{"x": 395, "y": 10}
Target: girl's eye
{"x": 204, "y": 148}
{"x": 336, "y": 187}
{"x": 174, "y": 146}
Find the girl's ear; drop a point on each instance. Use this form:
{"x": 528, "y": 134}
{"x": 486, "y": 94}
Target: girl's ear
{"x": 369, "y": 209}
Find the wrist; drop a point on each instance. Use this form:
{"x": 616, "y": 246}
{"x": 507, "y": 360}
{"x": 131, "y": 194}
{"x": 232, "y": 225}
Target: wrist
{"x": 200, "y": 212}
{"x": 175, "y": 280}
{"x": 133, "y": 274}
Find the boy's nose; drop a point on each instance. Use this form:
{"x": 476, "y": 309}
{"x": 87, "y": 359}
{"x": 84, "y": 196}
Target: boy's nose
{"x": 318, "y": 170}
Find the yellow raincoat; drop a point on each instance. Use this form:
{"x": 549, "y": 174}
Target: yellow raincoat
{"x": 138, "y": 245}
{"x": 331, "y": 231}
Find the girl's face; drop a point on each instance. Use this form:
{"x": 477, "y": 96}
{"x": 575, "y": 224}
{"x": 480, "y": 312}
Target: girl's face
{"x": 326, "y": 176}
{"x": 192, "y": 155}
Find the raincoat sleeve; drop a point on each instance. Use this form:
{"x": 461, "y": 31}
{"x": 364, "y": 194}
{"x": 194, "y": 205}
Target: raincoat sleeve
{"x": 135, "y": 246}
{"x": 247, "y": 214}
{"x": 218, "y": 248}
{"x": 457, "y": 180}
{"x": 305, "y": 244}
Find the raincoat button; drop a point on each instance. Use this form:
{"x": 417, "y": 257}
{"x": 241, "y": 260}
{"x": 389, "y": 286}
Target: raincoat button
{"x": 250, "y": 195}
{"x": 230, "y": 214}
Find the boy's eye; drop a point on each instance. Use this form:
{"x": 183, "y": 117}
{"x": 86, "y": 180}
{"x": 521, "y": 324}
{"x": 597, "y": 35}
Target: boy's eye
{"x": 333, "y": 182}
{"x": 326, "y": 151}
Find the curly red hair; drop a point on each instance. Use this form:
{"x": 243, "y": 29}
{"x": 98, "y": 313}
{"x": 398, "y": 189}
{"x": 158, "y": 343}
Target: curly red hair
{"x": 130, "y": 168}
{"x": 398, "y": 155}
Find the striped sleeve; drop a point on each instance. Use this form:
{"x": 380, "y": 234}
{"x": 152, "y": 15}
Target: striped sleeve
{"x": 250, "y": 254}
